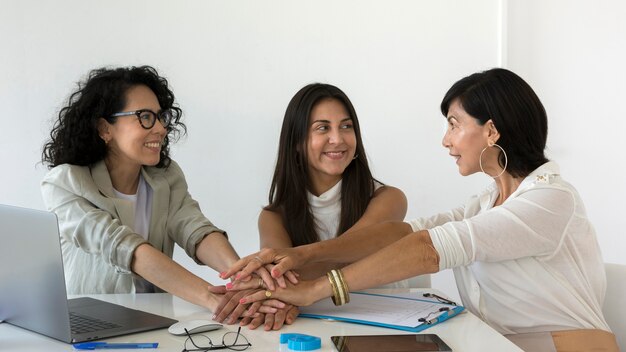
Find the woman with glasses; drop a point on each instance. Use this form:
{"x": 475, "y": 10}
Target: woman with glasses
{"x": 524, "y": 254}
{"x": 122, "y": 203}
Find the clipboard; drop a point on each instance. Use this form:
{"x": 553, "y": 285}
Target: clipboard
{"x": 408, "y": 312}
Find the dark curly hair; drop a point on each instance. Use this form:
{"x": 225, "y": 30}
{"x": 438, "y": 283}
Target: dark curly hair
{"x": 74, "y": 139}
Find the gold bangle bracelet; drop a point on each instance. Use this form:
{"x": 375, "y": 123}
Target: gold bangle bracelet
{"x": 340, "y": 289}
{"x": 344, "y": 287}
{"x": 333, "y": 285}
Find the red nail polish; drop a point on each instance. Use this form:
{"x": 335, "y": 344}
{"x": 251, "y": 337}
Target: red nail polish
{"x": 237, "y": 276}
{"x": 229, "y": 285}
{"x": 222, "y": 274}
{"x": 242, "y": 301}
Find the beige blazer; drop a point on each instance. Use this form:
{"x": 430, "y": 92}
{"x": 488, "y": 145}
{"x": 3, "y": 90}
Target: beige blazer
{"x": 97, "y": 237}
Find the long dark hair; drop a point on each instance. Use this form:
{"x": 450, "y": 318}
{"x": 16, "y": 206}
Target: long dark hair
{"x": 74, "y": 139}
{"x": 516, "y": 111}
{"x": 288, "y": 193}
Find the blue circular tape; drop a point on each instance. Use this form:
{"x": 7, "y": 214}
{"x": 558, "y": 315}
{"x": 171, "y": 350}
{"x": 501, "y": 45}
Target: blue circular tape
{"x": 301, "y": 342}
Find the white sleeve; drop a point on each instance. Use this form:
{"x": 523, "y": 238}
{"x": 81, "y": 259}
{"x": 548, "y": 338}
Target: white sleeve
{"x": 437, "y": 220}
{"x": 532, "y": 224}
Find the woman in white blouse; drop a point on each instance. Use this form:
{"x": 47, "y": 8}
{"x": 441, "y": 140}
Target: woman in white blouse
{"x": 524, "y": 254}
{"x": 322, "y": 185}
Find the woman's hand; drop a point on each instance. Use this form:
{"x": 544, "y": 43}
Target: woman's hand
{"x": 283, "y": 316}
{"x": 272, "y": 321}
{"x": 261, "y": 282}
{"x": 303, "y": 294}
{"x": 265, "y": 280}
{"x": 285, "y": 259}
{"x": 231, "y": 308}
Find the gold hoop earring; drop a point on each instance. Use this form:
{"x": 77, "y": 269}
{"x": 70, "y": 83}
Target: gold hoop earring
{"x": 480, "y": 160}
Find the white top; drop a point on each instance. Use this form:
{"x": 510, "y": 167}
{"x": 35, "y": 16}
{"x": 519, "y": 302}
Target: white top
{"x": 142, "y": 201}
{"x": 326, "y": 211}
{"x": 532, "y": 264}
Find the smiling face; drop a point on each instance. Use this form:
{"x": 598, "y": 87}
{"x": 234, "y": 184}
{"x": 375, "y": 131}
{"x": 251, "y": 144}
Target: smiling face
{"x": 465, "y": 139}
{"x": 331, "y": 143}
{"x": 131, "y": 146}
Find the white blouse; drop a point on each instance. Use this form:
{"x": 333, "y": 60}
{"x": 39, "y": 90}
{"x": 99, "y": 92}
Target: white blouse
{"x": 532, "y": 264}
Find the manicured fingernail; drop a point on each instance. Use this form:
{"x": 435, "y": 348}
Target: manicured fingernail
{"x": 237, "y": 276}
{"x": 229, "y": 285}
{"x": 242, "y": 301}
{"x": 222, "y": 274}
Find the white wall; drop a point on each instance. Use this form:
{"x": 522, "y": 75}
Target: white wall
{"x": 574, "y": 54}
{"x": 234, "y": 65}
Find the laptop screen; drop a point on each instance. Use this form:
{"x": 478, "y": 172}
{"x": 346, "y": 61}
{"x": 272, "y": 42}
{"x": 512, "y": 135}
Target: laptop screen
{"x": 32, "y": 284}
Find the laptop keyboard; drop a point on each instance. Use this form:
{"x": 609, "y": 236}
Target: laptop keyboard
{"x": 82, "y": 324}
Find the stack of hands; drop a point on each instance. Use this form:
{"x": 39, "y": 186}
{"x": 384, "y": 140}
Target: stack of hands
{"x": 264, "y": 289}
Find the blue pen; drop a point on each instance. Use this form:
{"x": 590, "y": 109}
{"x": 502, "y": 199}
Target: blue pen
{"x": 107, "y": 345}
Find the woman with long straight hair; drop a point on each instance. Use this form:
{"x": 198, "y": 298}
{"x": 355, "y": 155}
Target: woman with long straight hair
{"x": 322, "y": 185}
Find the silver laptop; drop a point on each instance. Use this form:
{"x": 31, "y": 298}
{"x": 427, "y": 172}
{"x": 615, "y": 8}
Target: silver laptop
{"x": 32, "y": 285}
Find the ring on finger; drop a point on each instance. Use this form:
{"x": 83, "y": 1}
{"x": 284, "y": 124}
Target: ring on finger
{"x": 261, "y": 283}
{"x": 268, "y": 294}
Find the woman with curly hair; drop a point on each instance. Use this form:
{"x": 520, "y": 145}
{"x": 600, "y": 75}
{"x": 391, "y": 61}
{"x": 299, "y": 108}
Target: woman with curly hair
{"x": 122, "y": 202}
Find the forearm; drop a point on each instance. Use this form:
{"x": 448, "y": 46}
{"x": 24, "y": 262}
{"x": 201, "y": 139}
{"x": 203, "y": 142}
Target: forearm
{"x": 314, "y": 270}
{"x": 272, "y": 234}
{"x": 216, "y": 251}
{"x": 410, "y": 256}
{"x": 347, "y": 248}
{"x": 168, "y": 275}
{"x": 355, "y": 245}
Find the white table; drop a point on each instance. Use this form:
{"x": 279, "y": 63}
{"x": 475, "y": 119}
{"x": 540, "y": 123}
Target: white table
{"x": 463, "y": 333}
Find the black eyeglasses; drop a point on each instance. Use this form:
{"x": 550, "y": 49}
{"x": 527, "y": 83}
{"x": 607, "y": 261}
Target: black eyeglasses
{"x": 147, "y": 118}
{"x": 234, "y": 341}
